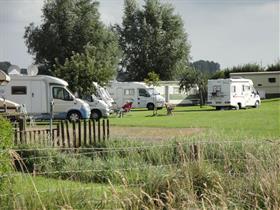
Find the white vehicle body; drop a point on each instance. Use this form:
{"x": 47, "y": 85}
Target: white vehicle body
{"x": 37, "y": 92}
{"x": 139, "y": 93}
{"x": 237, "y": 93}
{"x": 98, "y": 107}
{"x": 103, "y": 94}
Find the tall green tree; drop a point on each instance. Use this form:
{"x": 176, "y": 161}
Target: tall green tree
{"x": 152, "y": 37}
{"x": 67, "y": 27}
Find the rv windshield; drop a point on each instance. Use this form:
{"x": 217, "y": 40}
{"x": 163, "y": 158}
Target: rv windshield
{"x": 153, "y": 91}
{"x": 62, "y": 93}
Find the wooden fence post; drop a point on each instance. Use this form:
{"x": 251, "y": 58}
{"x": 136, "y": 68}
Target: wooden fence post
{"x": 79, "y": 134}
{"x": 21, "y": 130}
{"x": 94, "y": 132}
{"x": 58, "y": 134}
{"x": 74, "y": 134}
{"x": 89, "y": 129}
{"x": 62, "y": 134}
{"x": 108, "y": 129}
{"x": 68, "y": 134}
{"x": 104, "y": 130}
{"x": 85, "y": 132}
{"x": 99, "y": 131}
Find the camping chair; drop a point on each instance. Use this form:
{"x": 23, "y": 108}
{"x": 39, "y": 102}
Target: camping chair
{"x": 125, "y": 108}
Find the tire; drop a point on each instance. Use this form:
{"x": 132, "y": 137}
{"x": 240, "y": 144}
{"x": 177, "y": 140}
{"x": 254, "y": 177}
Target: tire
{"x": 95, "y": 114}
{"x": 150, "y": 106}
{"x": 239, "y": 106}
{"x": 257, "y": 104}
{"x": 74, "y": 116}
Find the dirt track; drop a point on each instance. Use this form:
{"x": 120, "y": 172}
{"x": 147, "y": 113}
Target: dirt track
{"x": 151, "y": 134}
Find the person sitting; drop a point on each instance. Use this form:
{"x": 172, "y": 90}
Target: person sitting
{"x": 125, "y": 108}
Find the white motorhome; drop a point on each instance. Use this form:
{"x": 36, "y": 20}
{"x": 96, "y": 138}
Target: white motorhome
{"x": 103, "y": 94}
{"x": 99, "y": 108}
{"x": 236, "y": 93}
{"x": 37, "y": 92}
{"x": 139, "y": 93}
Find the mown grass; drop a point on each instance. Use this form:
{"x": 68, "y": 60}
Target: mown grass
{"x": 262, "y": 123}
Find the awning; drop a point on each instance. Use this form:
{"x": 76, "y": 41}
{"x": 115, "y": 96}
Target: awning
{"x": 4, "y": 78}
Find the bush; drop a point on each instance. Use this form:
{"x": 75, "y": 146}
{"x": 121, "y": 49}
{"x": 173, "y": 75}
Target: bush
{"x": 5, "y": 144}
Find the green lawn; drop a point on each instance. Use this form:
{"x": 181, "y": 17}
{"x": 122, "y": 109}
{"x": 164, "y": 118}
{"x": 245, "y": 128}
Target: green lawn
{"x": 261, "y": 123}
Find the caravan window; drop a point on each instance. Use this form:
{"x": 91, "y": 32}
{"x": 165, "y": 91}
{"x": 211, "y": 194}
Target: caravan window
{"x": 234, "y": 89}
{"x": 129, "y": 92}
{"x": 272, "y": 80}
{"x": 62, "y": 94}
{"x": 19, "y": 90}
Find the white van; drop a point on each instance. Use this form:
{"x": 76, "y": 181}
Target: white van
{"x": 139, "y": 93}
{"x": 236, "y": 93}
{"x": 103, "y": 94}
{"x": 37, "y": 92}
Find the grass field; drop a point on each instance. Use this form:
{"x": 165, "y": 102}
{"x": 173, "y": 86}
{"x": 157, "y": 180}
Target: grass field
{"x": 261, "y": 123}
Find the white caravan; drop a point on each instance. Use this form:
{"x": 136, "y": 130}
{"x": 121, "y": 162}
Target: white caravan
{"x": 137, "y": 92}
{"x": 37, "y": 92}
{"x": 236, "y": 93}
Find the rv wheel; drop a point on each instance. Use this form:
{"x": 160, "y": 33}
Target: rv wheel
{"x": 257, "y": 104}
{"x": 150, "y": 106}
{"x": 74, "y": 116}
{"x": 96, "y": 114}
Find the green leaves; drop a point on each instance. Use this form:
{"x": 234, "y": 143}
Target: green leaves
{"x": 152, "y": 38}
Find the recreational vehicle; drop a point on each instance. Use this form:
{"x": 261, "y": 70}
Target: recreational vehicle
{"x": 37, "y": 94}
{"x": 139, "y": 93}
{"x": 99, "y": 108}
{"x": 236, "y": 93}
{"x": 102, "y": 94}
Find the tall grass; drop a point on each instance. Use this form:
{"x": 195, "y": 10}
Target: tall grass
{"x": 134, "y": 175}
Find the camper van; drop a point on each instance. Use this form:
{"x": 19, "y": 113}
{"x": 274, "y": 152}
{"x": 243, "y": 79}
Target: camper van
{"x": 137, "y": 92}
{"x": 98, "y": 107}
{"x": 232, "y": 93}
{"x": 36, "y": 94}
{"x": 103, "y": 94}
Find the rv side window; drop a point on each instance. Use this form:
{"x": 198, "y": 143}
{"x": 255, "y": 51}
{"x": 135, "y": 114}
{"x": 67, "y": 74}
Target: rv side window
{"x": 129, "y": 92}
{"x": 243, "y": 87}
{"x": 62, "y": 94}
{"x": 143, "y": 92}
{"x": 272, "y": 80}
{"x": 19, "y": 90}
{"x": 234, "y": 89}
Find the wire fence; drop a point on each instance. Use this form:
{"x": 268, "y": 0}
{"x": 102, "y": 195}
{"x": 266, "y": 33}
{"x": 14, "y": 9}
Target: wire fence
{"x": 126, "y": 164}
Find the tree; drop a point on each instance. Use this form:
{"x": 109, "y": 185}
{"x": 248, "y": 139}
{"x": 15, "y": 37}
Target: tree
{"x": 241, "y": 68}
{"x": 95, "y": 64}
{"x": 192, "y": 78}
{"x": 207, "y": 67}
{"x": 152, "y": 38}
{"x": 4, "y": 66}
{"x": 274, "y": 67}
{"x": 153, "y": 80}
{"x": 67, "y": 27}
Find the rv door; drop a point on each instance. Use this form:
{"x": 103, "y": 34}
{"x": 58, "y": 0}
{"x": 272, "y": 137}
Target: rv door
{"x": 62, "y": 99}
{"x": 143, "y": 97}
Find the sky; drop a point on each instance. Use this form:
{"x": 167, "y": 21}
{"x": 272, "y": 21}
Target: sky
{"x": 230, "y": 32}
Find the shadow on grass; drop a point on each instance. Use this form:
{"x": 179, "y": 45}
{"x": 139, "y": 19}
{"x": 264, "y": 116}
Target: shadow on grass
{"x": 197, "y": 110}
